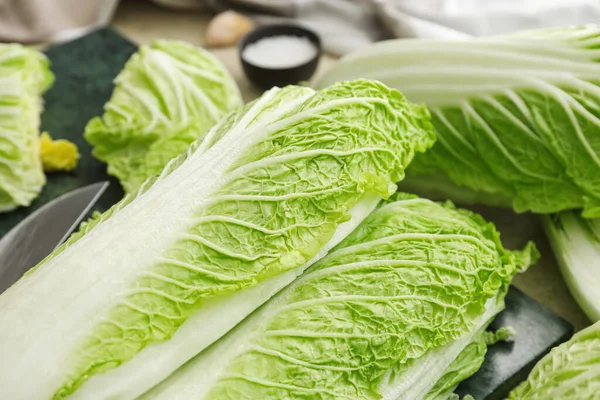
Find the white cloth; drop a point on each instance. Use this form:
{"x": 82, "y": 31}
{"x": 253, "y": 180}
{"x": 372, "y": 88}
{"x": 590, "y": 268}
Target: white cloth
{"x": 345, "y": 25}
{"x": 443, "y": 19}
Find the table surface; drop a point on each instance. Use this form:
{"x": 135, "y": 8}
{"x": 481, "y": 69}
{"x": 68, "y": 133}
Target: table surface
{"x": 142, "y": 22}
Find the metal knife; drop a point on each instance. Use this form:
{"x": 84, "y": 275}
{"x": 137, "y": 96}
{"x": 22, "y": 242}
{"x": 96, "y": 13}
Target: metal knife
{"x": 36, "y": 236}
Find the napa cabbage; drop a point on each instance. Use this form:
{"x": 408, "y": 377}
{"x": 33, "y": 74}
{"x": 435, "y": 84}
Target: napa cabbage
{"x": 570, "y": 371}
{"x": 397, "y": 310}
{"x": 576, "y": 245}
{"x": 169, "y": 94}
{"x": 166, "y": 272}
{"x": 517, "y": 117}
{"x": 24, "y": 76}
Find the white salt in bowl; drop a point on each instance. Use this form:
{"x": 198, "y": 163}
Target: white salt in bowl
{"x": 280, "y": 55}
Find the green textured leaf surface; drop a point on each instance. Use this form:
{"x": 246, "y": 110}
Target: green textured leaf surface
{"x": 466, "y": 364}
{"x": 256, "y": 197}
{"x": 413, "y": 277}
{"x": 516, "y": 116}
{"x": 570, "y": 371}
{"x": 168, "y": 95}
{"x": 24, "y": 76}
{"x": 468, "y": 361}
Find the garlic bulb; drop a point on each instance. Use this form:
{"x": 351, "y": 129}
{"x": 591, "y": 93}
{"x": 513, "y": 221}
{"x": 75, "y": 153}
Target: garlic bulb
{"x": 227, "y": 28}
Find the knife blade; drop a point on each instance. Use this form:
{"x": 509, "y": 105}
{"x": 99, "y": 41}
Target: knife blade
{"x": 40, "y": 233}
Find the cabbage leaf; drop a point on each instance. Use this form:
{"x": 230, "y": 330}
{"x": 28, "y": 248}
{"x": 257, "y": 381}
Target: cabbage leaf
{"x": 570, "y": 371}
{"x": 517, "y": 117}
{"x": 169, "y": 94}
{"x": 24, "y": 76}
{"x": 164, "y": 273}
{"x": 576, "y": 245}
{"x": 396, "y": 311}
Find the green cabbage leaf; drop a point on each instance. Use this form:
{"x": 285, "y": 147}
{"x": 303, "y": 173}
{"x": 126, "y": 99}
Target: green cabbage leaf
{"x": 397, "y": 310}
{"x": 570, "y": 371}
{"x": 168, "y": 95}
{"x": 517, "y": 117}
{"x": 166, "y": 272}
{"x": 24, "y": 76}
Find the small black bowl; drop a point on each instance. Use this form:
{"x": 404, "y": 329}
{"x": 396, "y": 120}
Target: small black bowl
{"x": 266, "y": 78}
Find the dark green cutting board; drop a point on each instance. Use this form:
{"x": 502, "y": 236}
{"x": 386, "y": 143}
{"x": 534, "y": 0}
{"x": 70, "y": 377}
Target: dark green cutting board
{"x": 84, "y": 70}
